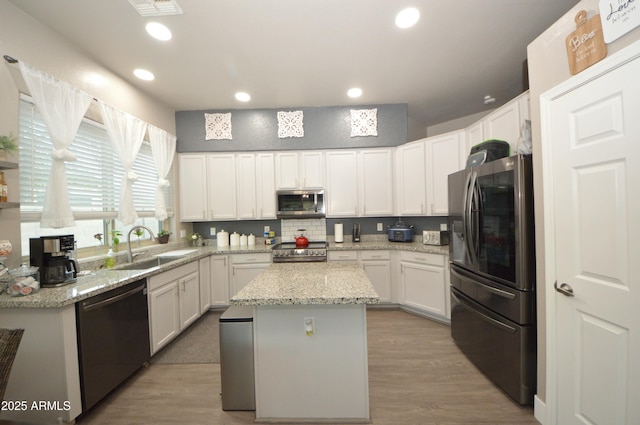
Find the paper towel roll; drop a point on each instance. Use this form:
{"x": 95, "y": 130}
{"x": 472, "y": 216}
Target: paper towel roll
{"x": 338, "y": 232}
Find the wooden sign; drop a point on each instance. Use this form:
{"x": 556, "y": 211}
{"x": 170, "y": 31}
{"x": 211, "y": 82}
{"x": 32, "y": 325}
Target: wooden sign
{"x": 585, "y": 46}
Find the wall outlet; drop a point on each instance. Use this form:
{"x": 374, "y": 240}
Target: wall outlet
{"x": 379, "y": 228}
{"x": 212, "y": 231}
{"x": 183, "y": 233}
{"x": 443, "y": 226}
{"x": 309, "y": 326}
{"x": 267, "y": 228}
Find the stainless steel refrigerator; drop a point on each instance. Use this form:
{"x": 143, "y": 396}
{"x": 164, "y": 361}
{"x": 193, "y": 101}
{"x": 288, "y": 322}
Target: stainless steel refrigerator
{"x": 492, "y": 266}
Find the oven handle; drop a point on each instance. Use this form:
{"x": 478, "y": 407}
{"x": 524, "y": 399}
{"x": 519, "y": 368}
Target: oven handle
{"x": 490, "y": 320}
{"x": 476, "y": 280}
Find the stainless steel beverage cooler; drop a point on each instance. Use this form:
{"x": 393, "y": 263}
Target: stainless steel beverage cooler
{"x": 236, "y": 359}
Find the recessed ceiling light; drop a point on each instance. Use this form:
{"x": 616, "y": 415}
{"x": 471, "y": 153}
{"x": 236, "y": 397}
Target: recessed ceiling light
{"x": 354, "y": 92}
{"x": 143, "y": 74}
{"x": 158, "y": 31}
{"x": 408, "y": 17}
{"x": 488, "y": 99}
{"x": 243, "y": 97}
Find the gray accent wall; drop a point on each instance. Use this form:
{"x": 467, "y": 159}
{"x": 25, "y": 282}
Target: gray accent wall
{"x": 324, "y": 128}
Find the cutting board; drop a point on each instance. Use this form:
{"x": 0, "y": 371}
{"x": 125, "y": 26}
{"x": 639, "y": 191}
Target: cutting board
{"x": 585, "y": 45}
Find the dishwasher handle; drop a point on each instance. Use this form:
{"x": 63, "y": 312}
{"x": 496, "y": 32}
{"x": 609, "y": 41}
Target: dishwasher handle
{"x": 88, "y": 306}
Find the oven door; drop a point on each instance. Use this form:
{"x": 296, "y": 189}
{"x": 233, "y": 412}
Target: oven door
{"x": 501, "y": 349}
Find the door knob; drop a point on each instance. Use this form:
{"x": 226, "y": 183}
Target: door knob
{"x": 564, "y": 289}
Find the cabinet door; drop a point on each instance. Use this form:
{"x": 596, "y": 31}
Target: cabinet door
{"x": 164, "y": 309}
{"x": 189, "y": 288}
{"x": 265, "y": 186}
{"x": 204, "y": 268}
{"x": 246, "y": 186}
{"x": 342, "y": 184}
{"x": 242, "y": 274}
{"x": 219, "y": 280}
{"x": 411, "y": 179}
{"x": 504, "y": 124}
{"x": 376, "y": 183}
{"x": 423, "y": 288}
{"x": 443, "y": 158}
{"x": 475, "y": 135}
{"x": 286, "y": 170}
{"x": 379, "y": 273}
{"x": 221, "y": 179}
{"x": 192, "y": 184}
{"x": 312, "y": 170}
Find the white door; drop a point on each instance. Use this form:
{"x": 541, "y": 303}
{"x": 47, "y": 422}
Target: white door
{"x": 192, "y": 184}
{"x": 189, "y": 287}
{"x": 286, "y": 170}
{"x": 246, "y": 186}
{"x": 443, "y": 158}
{"x": 221, "y": 184}
{"x": 265, "y": 185}
{"x": 312, "y": 170}
{"x": 411, "y": 179}
{"x": 376, "y": 178}
{"x": 595, "y": 145}
{"x": 342, "y": 184}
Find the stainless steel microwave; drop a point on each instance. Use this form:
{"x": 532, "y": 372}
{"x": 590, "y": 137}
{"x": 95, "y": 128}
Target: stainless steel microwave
{"x": 300, "y": 203}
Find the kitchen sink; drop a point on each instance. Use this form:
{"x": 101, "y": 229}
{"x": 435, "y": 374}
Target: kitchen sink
{"x": 150, "y": 263}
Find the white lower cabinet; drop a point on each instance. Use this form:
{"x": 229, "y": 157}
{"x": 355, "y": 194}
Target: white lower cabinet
{"x": 204, "y": 266}
{"x": 219, "y": 280}
{"x": 245, "y": 267}
{"x": 377, "y": 266}
{"x": 174, "y": 303}
{"x": 424, "y": 284}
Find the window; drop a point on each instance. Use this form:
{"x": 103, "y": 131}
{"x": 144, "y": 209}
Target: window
{"x": 93, "y": 181}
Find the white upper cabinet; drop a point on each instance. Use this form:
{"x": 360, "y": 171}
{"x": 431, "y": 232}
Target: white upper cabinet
{"x": 359, "y": 183}
{"x": 411, "y": 179}
{"x": 192, "y": 185}
{"x": 265, "y": 186}
{"x": 221, "y": 179}
{"x": 506, "y": 122}
{"x": 299, "y": 170}
{"x": 474, "y": 135}
{"x": 376, "y": 177}
{"x": 445, "y": 155}
{"x": 246, "y": 185}
{"x": 342, "y": 183}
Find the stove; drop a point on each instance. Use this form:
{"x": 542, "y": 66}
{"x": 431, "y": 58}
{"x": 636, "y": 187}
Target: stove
{"x": 287, "y": 252}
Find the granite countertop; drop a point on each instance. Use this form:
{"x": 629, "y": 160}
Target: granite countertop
{"x": 385, "y": 244}
{"x": 308, "y": 283}
{"x": 103, "y": 280}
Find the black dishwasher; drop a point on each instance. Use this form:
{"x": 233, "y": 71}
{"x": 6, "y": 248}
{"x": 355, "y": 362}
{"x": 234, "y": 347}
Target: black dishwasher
{"x": 113, "y": 339}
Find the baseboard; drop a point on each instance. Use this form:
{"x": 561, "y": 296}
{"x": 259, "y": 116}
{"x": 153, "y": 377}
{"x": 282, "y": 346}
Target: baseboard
{"x": 539, "y": 410}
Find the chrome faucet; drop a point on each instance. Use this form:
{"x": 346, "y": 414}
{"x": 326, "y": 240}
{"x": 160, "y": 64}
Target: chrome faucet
{"x": 129, "y": 254}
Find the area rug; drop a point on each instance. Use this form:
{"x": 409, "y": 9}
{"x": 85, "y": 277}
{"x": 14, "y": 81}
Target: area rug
{"x": 198, "y": 344}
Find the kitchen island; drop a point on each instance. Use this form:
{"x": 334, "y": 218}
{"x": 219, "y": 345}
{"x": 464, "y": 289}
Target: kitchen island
{"x": 310, "y": 342}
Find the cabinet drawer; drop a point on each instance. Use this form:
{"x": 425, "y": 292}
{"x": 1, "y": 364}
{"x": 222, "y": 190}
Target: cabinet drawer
{"x": 342, "y": 255}
{"x": 423, "y": 258}
{"x": 172, "y": 275}
{"x": 251, "y": 258}
{"x": 375, "y": 255}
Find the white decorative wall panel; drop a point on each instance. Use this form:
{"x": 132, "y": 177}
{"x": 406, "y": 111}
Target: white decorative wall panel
{"x": 218, "y": 126}
{"x": 290, "y": 124}
{"x": 364, "y": 122}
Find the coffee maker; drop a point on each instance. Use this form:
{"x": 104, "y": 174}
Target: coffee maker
{"x": 51, "y": 255}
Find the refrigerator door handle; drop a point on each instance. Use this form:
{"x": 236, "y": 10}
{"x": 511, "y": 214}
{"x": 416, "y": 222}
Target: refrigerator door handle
{"x": 470, "y": 229}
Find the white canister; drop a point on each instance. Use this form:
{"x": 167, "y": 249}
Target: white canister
{"x": 222, "y": 238}
{"x": 235, "y": 239}
{"x": 338, "y": 232}
{"x": 251, "y": 240}
{"x": 243, "y": 240}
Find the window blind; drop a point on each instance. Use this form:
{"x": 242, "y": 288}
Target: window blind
{"x": 93, "y": 180}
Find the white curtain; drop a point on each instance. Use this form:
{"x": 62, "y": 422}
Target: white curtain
{"x": 126, "y": 133}
{"x": 62, "y": 107}
{"x": 163, "y": 148}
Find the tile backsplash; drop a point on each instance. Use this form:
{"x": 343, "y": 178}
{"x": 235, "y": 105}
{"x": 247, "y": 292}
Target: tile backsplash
{"x": 315, "y": 229}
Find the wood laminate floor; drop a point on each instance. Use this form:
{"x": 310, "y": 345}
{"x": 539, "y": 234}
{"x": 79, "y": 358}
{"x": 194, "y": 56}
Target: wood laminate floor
{"x": 416, "y": 376}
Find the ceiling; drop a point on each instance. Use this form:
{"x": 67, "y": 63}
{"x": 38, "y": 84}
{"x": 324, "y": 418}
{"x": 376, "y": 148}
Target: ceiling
{"x": 288, "y": 53}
